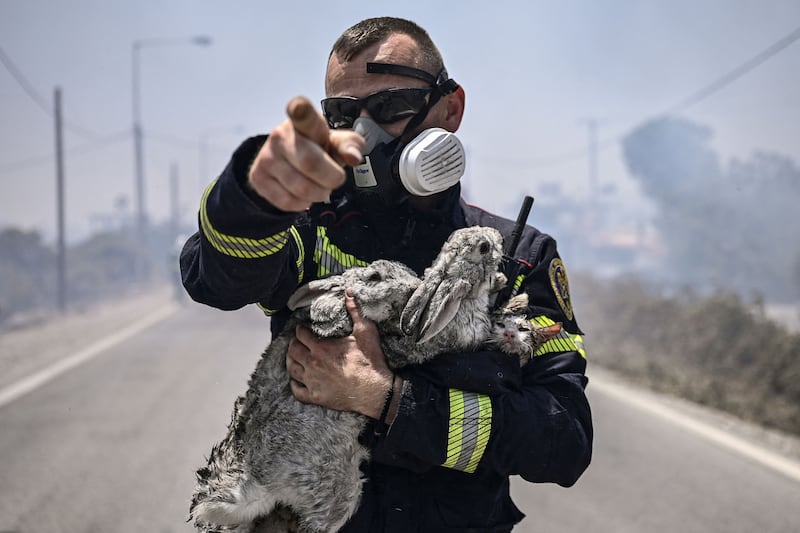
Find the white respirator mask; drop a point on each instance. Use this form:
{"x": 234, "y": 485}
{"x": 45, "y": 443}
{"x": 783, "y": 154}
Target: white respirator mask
{"x": 430, "y": 163}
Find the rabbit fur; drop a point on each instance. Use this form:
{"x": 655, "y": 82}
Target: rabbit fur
{"x": 282, "y": 455}
{"x": 514, "y": 334}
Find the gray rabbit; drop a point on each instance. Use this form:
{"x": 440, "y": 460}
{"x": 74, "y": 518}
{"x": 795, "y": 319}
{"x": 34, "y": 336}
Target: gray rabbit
{"x": 282, "y": 458}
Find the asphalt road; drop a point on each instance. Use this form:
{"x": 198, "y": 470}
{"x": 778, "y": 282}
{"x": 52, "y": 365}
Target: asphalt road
{"x": 109, "y": 443}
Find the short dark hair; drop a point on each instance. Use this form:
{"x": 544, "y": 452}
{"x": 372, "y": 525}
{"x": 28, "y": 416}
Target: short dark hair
{"x": 366, "y": 33}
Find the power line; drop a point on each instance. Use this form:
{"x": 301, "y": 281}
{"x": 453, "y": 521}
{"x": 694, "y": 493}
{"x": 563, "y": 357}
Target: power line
{"x": 694, "y": 98}
{"x": 23, "y": 82}
{"x": 43, "y": 159}
{"x": 98, "y": 143}
{"x": 736, "y": 73}
{"x": 171, "y": 140}
{"x": 26, "y": 86}
{"x": 185, "y": 144}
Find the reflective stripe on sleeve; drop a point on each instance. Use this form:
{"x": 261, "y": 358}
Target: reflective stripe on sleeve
{"x": 301, "y": 256}
{"x": 517, "y": 284}
{"x": 266, "y": 310}
{"x": 469, "y": 429}
{"x": 330, "y": 259}
{"x": 242, "y": 247}
{"x": 563, "y": 342}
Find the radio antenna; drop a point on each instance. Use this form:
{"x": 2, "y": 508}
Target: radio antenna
{"x": 522, "y": 219}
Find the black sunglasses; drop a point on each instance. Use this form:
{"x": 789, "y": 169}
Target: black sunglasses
{"x": 384, "y": 107}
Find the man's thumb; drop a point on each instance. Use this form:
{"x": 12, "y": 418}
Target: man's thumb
{"x": 352, "y": 306}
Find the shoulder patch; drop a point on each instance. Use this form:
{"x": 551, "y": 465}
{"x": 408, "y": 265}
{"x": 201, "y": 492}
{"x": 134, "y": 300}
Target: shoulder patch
{"x": 558, "y": 279}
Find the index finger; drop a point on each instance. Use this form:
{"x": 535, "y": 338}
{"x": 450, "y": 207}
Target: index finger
{"x": 307, "y": 122}
{"x": 344, "y": 148}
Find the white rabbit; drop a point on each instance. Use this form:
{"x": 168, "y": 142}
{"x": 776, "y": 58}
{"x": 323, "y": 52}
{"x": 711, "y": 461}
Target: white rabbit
{"x": 283, "y": 458}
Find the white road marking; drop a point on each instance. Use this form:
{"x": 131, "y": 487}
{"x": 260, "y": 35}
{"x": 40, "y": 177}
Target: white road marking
{"x": 36, "y": 380}
{"x": 767, "y": 458}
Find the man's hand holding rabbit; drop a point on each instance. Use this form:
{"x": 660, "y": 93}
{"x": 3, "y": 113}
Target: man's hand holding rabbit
{"x": 347, "y": 374}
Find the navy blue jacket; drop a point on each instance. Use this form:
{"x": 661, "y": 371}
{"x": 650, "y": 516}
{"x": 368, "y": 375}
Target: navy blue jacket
{"x": 466, "y": 422}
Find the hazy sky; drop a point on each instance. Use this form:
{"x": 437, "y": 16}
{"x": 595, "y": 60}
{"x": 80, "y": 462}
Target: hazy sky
{"x": 533, "y": 71}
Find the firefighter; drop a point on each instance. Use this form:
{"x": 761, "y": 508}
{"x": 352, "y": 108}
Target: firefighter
{"x": 326, "y": 191}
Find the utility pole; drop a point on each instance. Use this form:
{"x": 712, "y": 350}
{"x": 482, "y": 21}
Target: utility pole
{"x": 139, "y": 200}
{"x": 61, "y": 253}
{"x": 143, "y": 269}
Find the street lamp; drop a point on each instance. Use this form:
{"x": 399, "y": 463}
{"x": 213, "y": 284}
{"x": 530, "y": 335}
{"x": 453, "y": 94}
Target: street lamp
{"x": 138, "y": 149}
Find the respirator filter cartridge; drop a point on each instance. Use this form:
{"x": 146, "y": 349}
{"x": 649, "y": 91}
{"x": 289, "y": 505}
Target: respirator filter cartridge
{"x": 432, "y": 162}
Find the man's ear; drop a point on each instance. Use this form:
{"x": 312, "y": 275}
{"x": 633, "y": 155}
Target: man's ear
{"x": 454, "y": 109}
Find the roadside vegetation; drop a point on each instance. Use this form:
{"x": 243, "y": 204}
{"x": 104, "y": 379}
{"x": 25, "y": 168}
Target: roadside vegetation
{"x": 715, "y": 349}
{"x": 100, "y": 268}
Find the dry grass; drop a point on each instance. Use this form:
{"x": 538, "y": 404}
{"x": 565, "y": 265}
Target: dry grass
{"x": 715, "y": 350}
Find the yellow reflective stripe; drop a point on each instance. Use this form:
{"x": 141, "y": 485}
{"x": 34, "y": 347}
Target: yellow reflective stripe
{"x": 542, "y": 321}
{"x": 266, "y": 311}
{"x": 579, "y": 343}
{"x": 233, "y": 246}
{"x": 330, "y": 259}
{"x": 301, "y": 253}
{"x": 563, "y": 342}
{"x": 469, "y": 429}
{"x": 517, "y": 284}
{"x": 455, "y": 429}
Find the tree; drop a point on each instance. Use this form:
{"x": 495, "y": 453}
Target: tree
{"x": 27, "y": 268}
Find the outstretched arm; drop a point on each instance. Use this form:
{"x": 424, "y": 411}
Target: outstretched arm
{"x": 247, "y": 249}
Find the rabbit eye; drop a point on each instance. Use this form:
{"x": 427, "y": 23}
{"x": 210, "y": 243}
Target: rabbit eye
{"x": 500, "y": 325}
{"x": 484, "y": 248}
{"x": 375, "y": 276}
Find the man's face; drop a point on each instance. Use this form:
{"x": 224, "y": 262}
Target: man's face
{"x": 351, "y": 78}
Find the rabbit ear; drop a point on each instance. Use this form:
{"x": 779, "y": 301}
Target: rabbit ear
{"x": 416, "y": 305}
{"x": 431, "y": 280}
{"x": 301, "y": 298}
{"x": 443, "y": 310}
{"x": 306, "y": 294}
{"x": 430, "y": 309}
